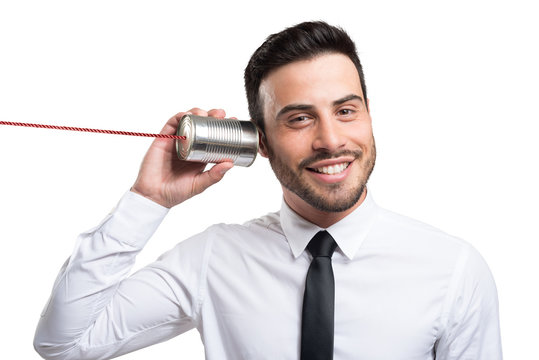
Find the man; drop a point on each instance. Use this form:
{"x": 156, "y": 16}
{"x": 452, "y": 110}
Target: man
{"x": 331, "y": 275}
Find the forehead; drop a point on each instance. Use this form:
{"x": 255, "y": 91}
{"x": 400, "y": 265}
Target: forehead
{"x": 316, "y": 81}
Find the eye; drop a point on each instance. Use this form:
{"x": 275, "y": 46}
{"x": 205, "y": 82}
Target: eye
{"x": 299, "y": 119}
{"x": 346, "y": 112}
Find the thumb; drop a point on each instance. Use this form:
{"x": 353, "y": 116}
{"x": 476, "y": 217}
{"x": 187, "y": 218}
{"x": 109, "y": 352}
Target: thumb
{"x": 212, "y": 176}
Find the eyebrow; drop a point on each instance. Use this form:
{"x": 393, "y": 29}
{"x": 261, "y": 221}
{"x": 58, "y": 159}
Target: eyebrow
{"x": 304, "y": 107}
{"x": 347, "y": 98}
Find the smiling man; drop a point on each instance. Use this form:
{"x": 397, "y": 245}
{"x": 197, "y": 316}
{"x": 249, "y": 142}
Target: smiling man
{"x": 318, "y": 136}
{"x": 329, "y": 276}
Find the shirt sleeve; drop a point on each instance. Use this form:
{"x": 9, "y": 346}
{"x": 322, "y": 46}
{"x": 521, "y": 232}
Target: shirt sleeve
{"x": 97, "y": 311}
{"x": 470, "y": 317}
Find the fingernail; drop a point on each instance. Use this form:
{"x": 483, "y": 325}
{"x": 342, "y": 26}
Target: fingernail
{"x": 223, "y": 171}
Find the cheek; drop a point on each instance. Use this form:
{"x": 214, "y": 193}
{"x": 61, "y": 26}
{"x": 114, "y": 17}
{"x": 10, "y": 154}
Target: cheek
{"x": 293, "y": 148}
{"x": 361, "y": 135}
{"x": 288, "y": 144}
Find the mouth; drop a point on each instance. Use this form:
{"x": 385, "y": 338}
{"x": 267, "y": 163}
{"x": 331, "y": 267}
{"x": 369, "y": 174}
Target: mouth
{"x": 333, "y": 169}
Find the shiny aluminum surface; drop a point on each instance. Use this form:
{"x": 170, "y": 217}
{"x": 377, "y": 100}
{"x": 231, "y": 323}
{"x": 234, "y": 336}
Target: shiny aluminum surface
{"x": 212, "y": 140}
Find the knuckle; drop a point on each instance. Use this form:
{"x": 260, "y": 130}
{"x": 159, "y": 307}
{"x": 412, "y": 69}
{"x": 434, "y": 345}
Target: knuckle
{"x": 198, "y": 111}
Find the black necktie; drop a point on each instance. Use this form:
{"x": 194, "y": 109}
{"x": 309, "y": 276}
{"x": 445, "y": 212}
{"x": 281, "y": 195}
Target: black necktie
{"x": 317, "y": 322}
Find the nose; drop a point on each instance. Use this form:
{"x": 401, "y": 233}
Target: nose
{"x": 329, "y": 134}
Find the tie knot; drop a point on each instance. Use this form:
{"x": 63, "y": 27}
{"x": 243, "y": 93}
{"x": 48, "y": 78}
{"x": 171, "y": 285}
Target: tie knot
{"x": 322, "y": 244}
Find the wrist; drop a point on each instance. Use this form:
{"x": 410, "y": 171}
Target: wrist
{"x": 155, "y": 199}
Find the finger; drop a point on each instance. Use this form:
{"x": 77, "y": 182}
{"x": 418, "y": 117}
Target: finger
{"x": 198, "y": 111}
{"x": 172, "y": 123}
{"x": 222, "y": 167}
{"x": 217, "y": 113}
{"x": 212, "y": 176}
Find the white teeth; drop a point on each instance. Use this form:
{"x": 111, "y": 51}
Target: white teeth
{"x": 333, "y": 169}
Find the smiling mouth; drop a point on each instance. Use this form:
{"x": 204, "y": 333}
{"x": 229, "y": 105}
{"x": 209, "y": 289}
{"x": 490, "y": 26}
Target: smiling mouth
{"x": 332, "y": 169}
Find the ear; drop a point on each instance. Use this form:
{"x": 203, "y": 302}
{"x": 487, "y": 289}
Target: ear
{"x": 368, "y": 106}
{"x": 262, "y": 145}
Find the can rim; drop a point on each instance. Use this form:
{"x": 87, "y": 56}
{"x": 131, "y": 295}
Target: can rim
{"x": 185, "y": 129}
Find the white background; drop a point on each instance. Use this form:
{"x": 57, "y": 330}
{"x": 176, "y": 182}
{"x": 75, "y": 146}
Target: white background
{"x": 453, "y": 95}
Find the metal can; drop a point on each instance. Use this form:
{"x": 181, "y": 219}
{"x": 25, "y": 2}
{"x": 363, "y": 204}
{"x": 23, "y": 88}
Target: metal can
{"x": 212, "y": 140}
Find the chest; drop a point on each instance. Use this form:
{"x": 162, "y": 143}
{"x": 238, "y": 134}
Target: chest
{"x": 380, "y": 313}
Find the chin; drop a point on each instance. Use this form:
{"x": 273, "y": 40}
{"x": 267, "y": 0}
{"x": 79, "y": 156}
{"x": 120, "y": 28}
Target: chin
{"x": 343, "y": 200}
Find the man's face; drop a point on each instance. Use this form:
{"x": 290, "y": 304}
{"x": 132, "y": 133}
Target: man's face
{"x": 319, "y": 137}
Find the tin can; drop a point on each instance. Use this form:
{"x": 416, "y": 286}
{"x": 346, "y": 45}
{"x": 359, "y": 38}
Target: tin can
{"x": 212, "y": 140}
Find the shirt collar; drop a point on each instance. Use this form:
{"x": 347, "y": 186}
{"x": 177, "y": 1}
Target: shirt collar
{"x": 349, "y": 233}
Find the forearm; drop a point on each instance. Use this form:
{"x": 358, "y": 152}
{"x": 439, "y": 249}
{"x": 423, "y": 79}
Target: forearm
{"x": 88, "y": 281}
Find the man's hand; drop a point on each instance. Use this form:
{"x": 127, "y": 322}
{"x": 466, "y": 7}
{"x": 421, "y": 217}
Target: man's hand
{"x": 169, "y": 181}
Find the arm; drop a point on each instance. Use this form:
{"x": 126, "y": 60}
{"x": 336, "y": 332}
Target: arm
{"x": 470, "y": 319}
{"x": 86, "y": 296}
{"x": 95, "y": 311}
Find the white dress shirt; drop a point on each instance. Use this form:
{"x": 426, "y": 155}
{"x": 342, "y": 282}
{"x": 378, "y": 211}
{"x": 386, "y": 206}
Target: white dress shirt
{"x": 403, "y": 290}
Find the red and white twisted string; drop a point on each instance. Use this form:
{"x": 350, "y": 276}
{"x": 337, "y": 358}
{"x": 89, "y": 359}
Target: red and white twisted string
{"x": 101, "y": 131}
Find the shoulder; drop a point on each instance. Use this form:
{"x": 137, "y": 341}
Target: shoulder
{"x": 267, "y": 224}
{"x": 264, "y": 227}
{"x": 411, "y": 233}
{"x": 460, "y": 272}
{"x": 441, "y": 250}
{"x": 225, "y": 239}
{"x": 426, "y": 248}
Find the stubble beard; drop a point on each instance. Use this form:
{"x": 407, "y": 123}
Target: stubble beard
{"x": 332, "y": 197}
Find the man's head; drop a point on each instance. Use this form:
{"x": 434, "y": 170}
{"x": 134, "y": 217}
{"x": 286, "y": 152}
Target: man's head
{"x": 306, "y": 91}
{"x": 301, "y": 42}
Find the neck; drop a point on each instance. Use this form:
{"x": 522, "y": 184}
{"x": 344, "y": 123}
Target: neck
{"x": 320, "y": 218}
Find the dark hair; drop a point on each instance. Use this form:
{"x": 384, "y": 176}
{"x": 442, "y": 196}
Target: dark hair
{"x": 300, "y": 42}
